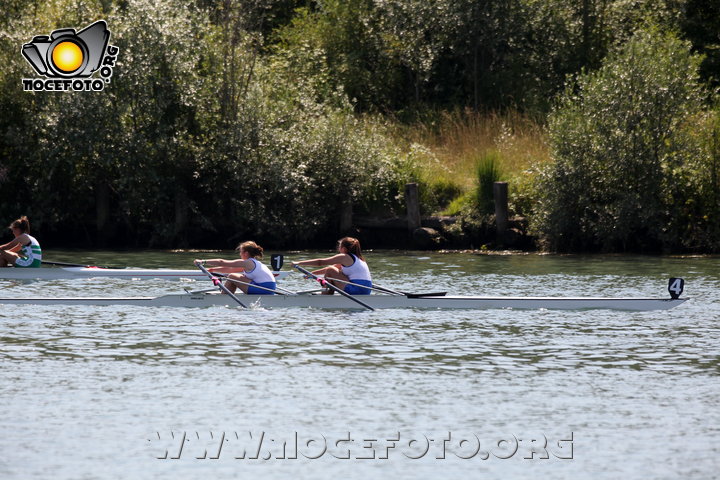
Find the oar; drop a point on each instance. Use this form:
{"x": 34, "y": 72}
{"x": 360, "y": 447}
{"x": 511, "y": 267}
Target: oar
{"x": 410, "y": 294}
{"x": 308, "y": 292}
{"x": 277, "y": 291}
{"x": 374, "y": 287}
{"x": 332, "y": 287}
{"x": 62, "y": 264}
{"x": 387, "y": 290}
{"x": 219, "y": 283}
{"x": 395, "y": 292}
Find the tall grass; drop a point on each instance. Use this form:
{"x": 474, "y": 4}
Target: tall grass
{"x": 487, "y": 173}
{"x": 458, "y": 138}
{"x": 479, "y": 199}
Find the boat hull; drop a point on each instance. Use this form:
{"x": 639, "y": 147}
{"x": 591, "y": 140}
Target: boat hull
{"x": 34, "y": 274}
{"x": 376, "y": 301}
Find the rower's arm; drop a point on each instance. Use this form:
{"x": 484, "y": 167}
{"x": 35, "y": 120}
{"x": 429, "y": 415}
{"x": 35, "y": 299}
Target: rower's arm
{"x": 219, "y": 262}
{"x": 16, "y": 243}
{"x": 341, "y": 258}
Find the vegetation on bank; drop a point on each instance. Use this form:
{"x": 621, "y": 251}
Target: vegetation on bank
{"x": 634, "y": 163}
{"x": 265, "y": 119}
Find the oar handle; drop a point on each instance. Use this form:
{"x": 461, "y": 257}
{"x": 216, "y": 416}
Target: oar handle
{"x": 332, "y": 287}
{"x": 218, "y": 283}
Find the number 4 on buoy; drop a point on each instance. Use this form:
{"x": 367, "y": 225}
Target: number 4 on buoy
{"x": 675, "y": 287}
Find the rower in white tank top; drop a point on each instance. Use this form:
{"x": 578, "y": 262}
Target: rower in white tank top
{"x": 255, "y": 279}
{"x": 260, "y": 274}
{"x": 358, "y": 270}
{"x": 344, "y": 268}
{"x": 31, "y": 255}
{"x": 22, "y": 251}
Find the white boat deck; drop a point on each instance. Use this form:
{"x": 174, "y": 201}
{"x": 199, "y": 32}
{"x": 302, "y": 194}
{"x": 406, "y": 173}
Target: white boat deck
{"x": 203, "y": 300}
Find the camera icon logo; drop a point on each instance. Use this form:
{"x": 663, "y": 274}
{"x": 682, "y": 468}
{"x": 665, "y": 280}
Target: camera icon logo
{"x": 66, "y": 54}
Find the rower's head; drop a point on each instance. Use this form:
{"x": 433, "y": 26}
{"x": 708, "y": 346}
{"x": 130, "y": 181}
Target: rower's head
{"x": 253, "y": 249}
{"x": 20, "y": 226}
{"x": 351, "y": 245}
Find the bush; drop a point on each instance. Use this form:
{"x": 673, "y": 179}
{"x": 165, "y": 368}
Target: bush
{"x": 621, "y": 150}
{"x": 697, "y": 188}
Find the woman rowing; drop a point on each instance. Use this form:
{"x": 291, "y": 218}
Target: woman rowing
{"x": 23, "y": 250}
{"x": 255, "y": 279}
{"x": 347, "y": 270}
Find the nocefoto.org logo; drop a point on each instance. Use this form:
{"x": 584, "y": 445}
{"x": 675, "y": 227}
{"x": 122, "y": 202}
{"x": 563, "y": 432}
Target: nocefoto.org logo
{"x": 68, "y": 59}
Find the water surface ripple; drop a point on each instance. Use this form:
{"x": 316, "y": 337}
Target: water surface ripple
{"x": 88, "y": 390}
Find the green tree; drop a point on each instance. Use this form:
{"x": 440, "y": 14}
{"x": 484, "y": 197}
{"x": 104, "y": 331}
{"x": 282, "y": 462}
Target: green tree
{"x": 619, "y": 145}
{"x": 49, "y": 139}
{"x": 701, "y": 25}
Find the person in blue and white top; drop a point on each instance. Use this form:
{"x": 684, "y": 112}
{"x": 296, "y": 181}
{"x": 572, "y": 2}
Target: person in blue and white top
{"x": 347, "y": 266}
{"x": 254, "y": 273}
{"x": 24, "y": 250}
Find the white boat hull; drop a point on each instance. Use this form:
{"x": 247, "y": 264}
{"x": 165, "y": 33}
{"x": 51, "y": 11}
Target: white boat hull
{"x": 45, "y": 273}
{"x": 375, "y": 301}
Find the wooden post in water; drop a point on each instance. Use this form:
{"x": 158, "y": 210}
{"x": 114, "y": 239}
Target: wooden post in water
{"x": 500, "y": 194}
{"x": 412, "y": 200}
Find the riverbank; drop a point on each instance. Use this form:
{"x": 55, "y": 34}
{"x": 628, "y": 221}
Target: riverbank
{"x": 443, "y": 232}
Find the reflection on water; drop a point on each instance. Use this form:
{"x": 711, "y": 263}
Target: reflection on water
{"x": 608, "y": 376}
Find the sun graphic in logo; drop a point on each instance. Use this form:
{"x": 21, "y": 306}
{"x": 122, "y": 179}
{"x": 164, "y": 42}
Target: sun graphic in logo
{"x": 67, "y": 56}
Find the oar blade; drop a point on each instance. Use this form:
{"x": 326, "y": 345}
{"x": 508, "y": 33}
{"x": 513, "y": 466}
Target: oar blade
{"x": 421, "y": 295}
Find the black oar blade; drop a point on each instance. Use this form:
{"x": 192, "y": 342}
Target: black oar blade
{"x": 421, "y": 295}
{"x": 276, "y": 261}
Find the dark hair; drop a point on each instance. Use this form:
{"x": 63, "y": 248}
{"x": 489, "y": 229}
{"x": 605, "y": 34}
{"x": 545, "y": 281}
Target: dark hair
{"x": 352, "y": 245}
{"x": 22, "y": 223}
{"x": 255, "y": 250}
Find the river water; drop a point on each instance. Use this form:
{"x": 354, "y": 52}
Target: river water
{"x": 138, "y": 392}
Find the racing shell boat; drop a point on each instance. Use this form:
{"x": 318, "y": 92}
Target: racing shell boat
{"x": 375, "y": 301}
{"x": 435, "y": 301}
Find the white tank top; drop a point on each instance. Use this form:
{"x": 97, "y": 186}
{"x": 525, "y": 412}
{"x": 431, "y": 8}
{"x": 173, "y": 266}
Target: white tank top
{"x": 358, "y": 270}
{"x": 32, "y": 250}
{"x": 260, "y": 274}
